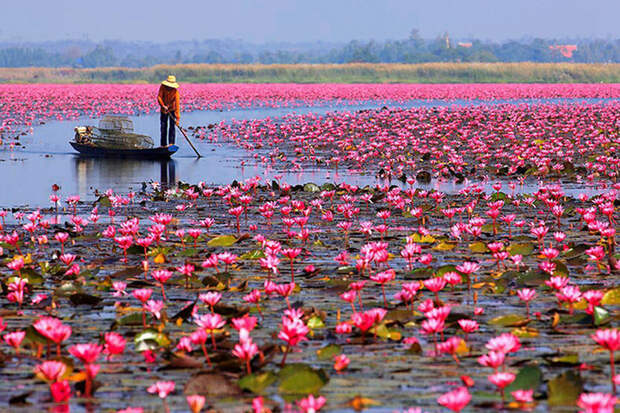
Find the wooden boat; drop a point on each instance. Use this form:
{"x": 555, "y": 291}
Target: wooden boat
{"x": 114, "y": 138}
{"x": 164, "y": 152}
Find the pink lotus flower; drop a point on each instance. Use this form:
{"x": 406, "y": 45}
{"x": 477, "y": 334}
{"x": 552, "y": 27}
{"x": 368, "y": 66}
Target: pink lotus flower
{"x": 455, "y": 400}
{"x": 311, "y": 404}
{"x": 161, "y": 388}
{"x": 51, "y": 370}
{"x": 597, "y": 402}
{"x": 61, "y": 391}
{"x": 246, "y": 350}
{"x": 114, "y": 344}
{"x": 195, "y": 402}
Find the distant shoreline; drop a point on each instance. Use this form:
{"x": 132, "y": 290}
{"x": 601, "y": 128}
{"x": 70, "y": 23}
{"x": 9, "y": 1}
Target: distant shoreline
{"x": 328, "y": 73}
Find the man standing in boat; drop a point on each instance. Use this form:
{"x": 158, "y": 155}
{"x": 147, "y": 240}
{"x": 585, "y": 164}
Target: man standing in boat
{"x": 168, "y": 99}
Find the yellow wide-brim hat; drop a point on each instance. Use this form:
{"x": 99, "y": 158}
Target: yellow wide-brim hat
{"x": 171, "y": 82}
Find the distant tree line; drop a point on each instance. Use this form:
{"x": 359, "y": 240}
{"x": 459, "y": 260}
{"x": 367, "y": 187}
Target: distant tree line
{"x": 413, "y": 49}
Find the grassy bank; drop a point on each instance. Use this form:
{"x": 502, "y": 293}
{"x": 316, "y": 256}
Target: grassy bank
{"x": 328, "y": 73}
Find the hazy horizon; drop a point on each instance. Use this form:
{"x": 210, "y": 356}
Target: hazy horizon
{"x": 293, "y": 21}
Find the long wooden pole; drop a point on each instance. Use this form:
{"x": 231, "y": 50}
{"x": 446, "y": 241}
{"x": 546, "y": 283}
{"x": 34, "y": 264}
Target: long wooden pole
{"x": 185, "y": 135}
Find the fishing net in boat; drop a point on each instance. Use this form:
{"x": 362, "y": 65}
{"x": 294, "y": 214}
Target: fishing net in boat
{"x": 114, "y": 132}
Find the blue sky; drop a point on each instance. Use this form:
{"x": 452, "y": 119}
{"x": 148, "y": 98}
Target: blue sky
{"x": 308, "y": 20}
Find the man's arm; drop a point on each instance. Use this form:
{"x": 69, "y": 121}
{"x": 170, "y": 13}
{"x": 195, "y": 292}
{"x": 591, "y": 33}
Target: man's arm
{"x": 160, "y": 99}
{"x": 177, "y": 107}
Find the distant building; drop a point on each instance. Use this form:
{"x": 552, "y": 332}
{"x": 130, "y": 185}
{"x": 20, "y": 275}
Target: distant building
{"x": 565, "y": 50}
{"x": 466, "y": 45}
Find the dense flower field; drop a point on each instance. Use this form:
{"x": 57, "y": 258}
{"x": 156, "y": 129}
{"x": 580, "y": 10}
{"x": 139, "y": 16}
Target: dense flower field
{"x": 262, "y": 296}
{"x": 479, "y": 299}
{"x": 545, "y": 140}
{"x": 26, "y": 105}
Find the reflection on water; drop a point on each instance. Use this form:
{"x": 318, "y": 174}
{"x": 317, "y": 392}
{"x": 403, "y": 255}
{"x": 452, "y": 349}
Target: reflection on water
{"x": 91, "y": 171}
{"x": 167, "y": 172}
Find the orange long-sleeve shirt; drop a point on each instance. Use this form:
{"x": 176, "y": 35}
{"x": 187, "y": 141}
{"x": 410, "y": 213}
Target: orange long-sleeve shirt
{"x": 168, "y": 96}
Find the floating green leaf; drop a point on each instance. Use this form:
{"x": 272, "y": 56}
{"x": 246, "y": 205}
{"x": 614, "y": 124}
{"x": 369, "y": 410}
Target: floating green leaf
{"x": 508, "y": 320}
{"x": 315, "y": 322}
{"x": 564, "y": 390}
{"x": 222, "y": 241}
{"x": 426, "y": 239}
{"x": 310, "y": 187}
{"x": 521, "y": 249}
{"x": 150, "y": 339}
{"x": 130, "y": 319}
{"x": 479, "y": 247}
{"x": 611, "y": 297}
{"x": 32, "y": 276}
{"x": 444, "y": 246}
{"x": 252, "y": 255}
{"x": 328, "y": 352}
{"x": 388, "y": 333}
{"x": 257, "y": 382}
{"x": 601, "y": 316}
{"x": 301, "y": 379}
{"x": 529, "y": 377}
{"x": 104, "y": 201}
{"x": 188, "y": 252}
{"x": 565, "y": 360}
{"x": 445, "y": 269}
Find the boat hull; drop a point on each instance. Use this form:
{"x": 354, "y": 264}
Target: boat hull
{"x": 99, "y": 152}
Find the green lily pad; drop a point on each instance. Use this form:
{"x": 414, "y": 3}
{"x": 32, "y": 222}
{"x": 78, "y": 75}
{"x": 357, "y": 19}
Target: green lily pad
{"x": 508, "y": 320}
{"x": 420, "y": 274}
{"x": 560, "y": 268}
{"x": 104, "y": 201}
{"x": 328, "y": 352}
{"x": 257, "y": 382}
{"x": 565, "y": 360}
{"x": 347, "y": 269}
{"x": 564, "y": 390}
{"x": 188, "y": 252}
{"x": 445, "y": 246}
{"x": 301, "y": 379}
{"x": 33, "y": 336}
{"x": 601, "y": 316}
{"x": 445, "y": 269}
{"x": 252, "y": 255}
{"x": 131, "y": 319}
{"x": 520, "y": 249}
{"x": 426, "y": 239}
{"x": 529, "y": 377}
{"x": 383, "y": 331}
{"x": 66, "y": 289}
{"x": 310, "y": 187}
{"x": 479, "y": 247}
{"x": 575, "y": 251}
{"x": 531, "y": 278}
{"x": 150, "y": 339}
{"x": 315, "y": 322}
{"x": 222, "y": 241}
{"x": 32, "y": 276}
{"x": 488, "y": 228}
{"x": 611, "y": 297}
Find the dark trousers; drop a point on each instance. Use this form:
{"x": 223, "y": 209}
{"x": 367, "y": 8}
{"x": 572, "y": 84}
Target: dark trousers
{"x": 167, "y": 123}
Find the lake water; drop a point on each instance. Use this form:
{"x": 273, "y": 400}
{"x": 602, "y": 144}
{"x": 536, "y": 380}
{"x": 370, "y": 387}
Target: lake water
{"x": 46, "y": 158}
